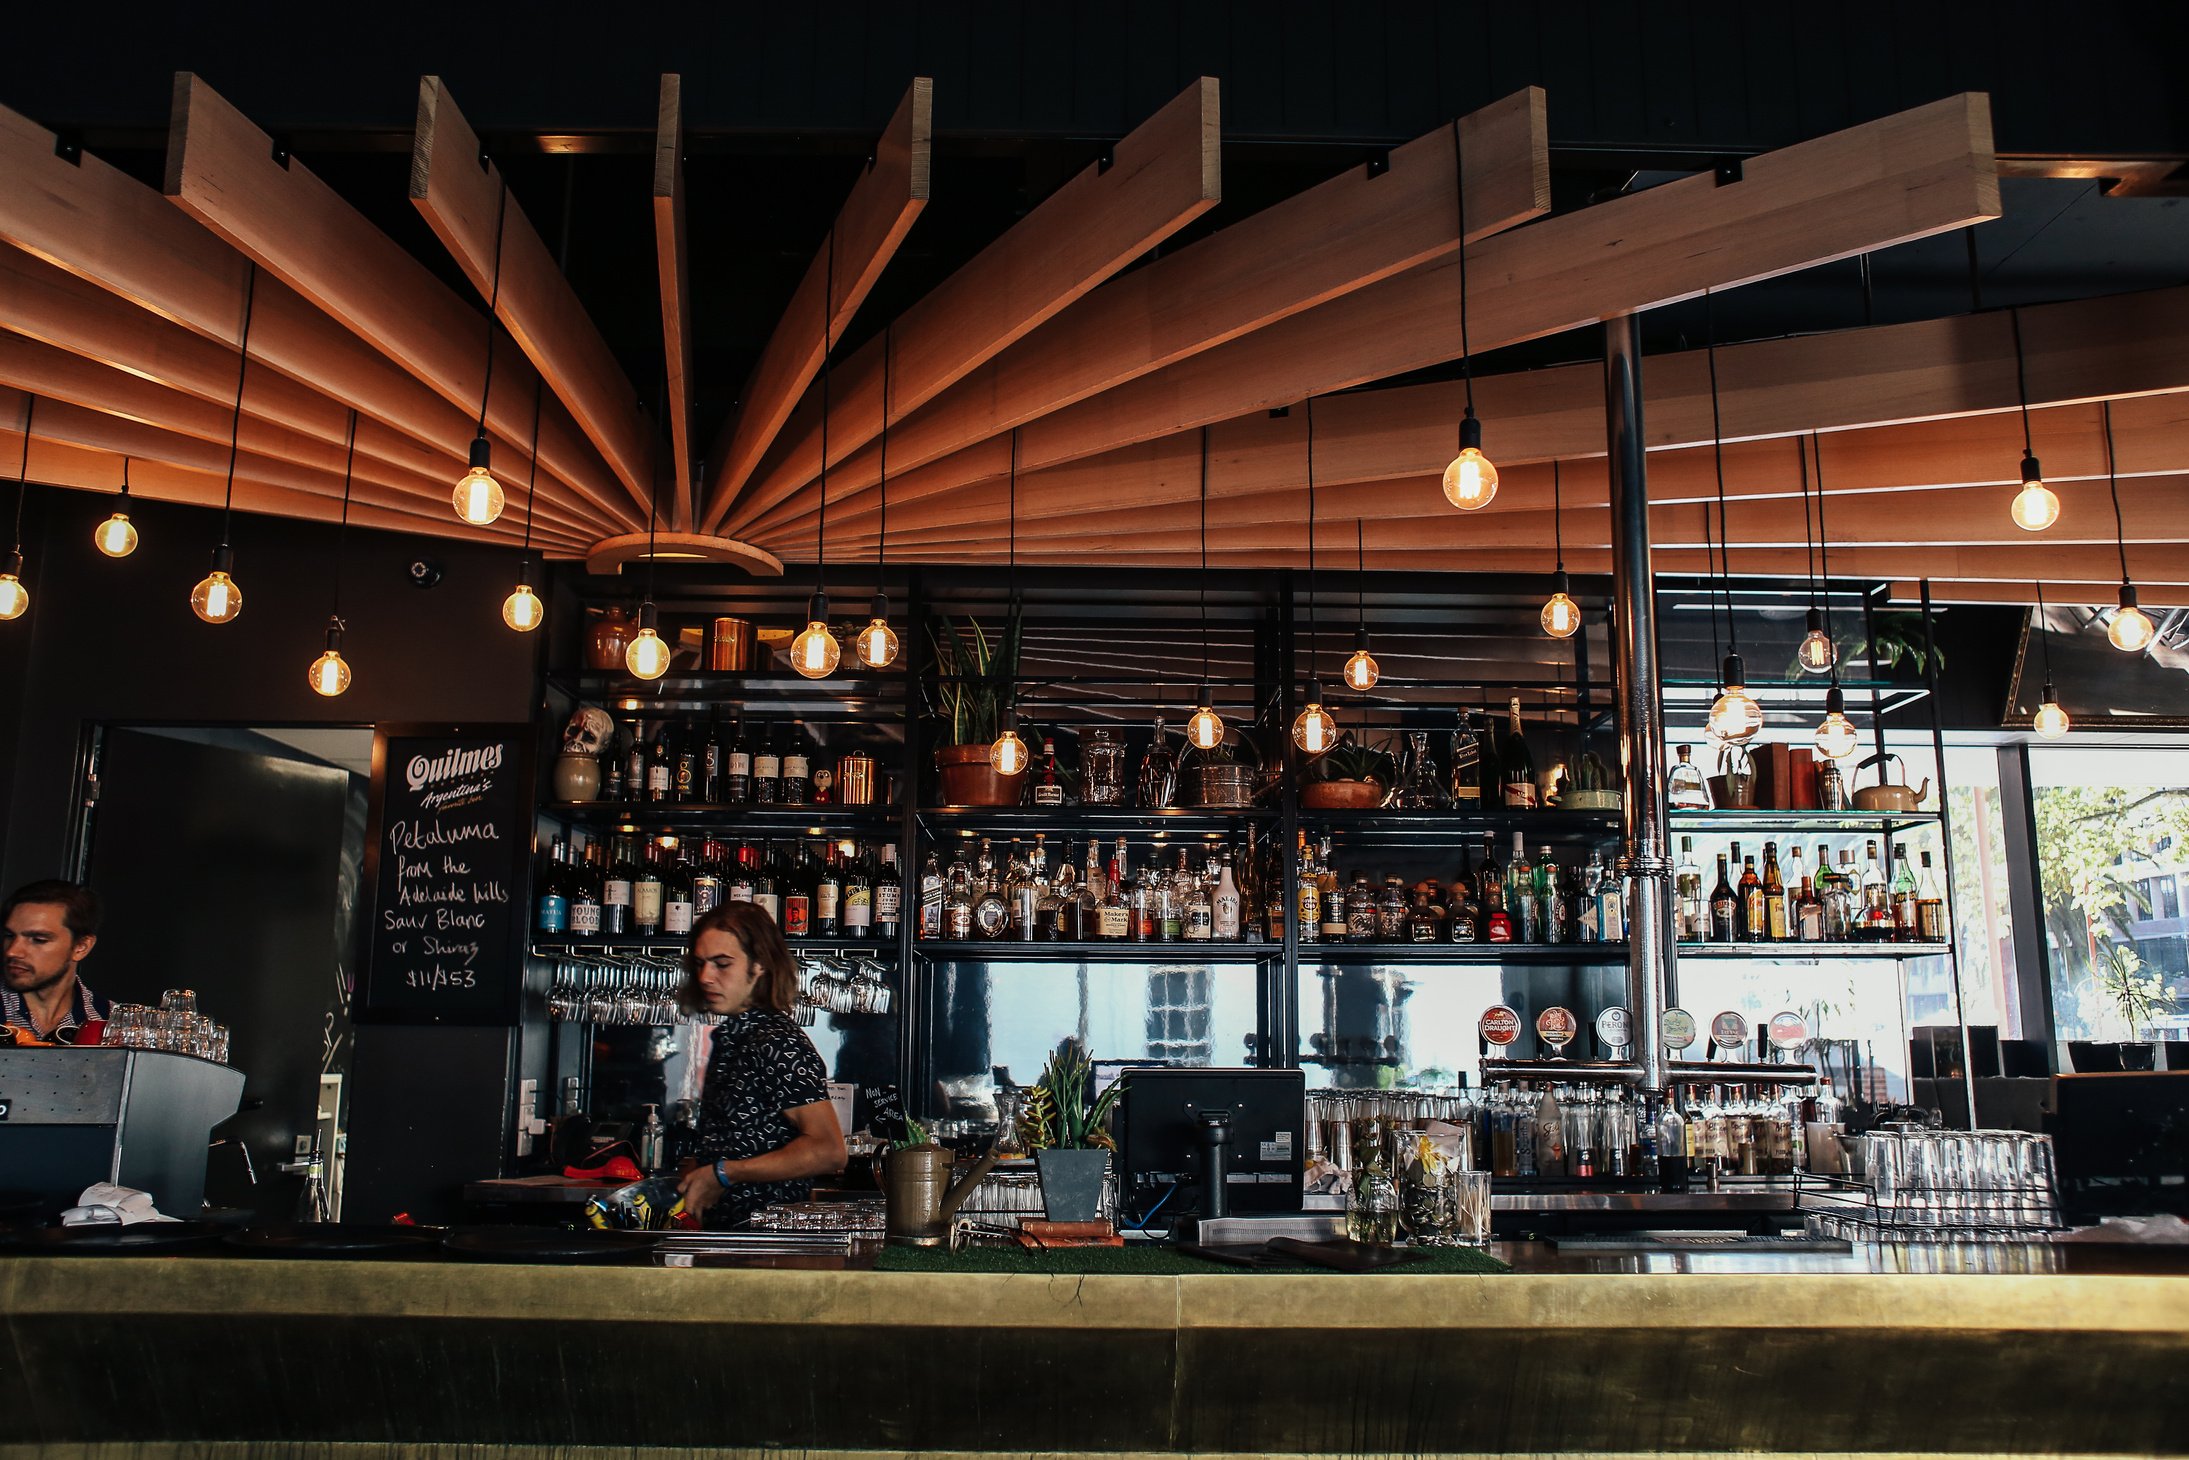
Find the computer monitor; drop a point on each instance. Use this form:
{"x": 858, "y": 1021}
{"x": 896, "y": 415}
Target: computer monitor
{"x": 1160, "y": 1151}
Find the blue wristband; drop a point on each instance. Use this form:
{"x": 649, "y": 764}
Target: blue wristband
{"x": 720, "y": 1175}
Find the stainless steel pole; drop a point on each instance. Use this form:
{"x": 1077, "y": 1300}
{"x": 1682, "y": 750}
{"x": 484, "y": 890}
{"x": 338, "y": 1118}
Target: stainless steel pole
{"x": 1640, "y": 702}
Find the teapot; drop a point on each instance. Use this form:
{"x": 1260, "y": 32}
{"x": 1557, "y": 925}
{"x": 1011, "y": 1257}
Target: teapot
{"x": 1889, "y": 795}
{"x": 917, "y": 1195}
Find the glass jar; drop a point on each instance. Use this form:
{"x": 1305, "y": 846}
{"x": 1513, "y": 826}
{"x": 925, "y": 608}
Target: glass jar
{"x": 1372, "y": 1207}
{"x": 1684, "y": 789}
{"x": 1102, "y": 770}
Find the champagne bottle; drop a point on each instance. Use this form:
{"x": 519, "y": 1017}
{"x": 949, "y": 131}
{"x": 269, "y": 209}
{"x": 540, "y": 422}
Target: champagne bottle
{"x": 1516, "y": 766}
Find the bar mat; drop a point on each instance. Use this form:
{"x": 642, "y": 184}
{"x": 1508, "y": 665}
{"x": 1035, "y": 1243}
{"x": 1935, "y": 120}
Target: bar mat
{"x": 1139, "y": 1259}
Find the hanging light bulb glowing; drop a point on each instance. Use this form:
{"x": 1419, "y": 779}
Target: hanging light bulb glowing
{"x": 1361, "y": 671}
{"x": 522, "y": 609}
{"x": 1471, "y": 480}
{"x": 1205, "y": 728}
{"x": 2131, "y": 628}
{"x": 2050, "y": 720}
{"x": 877, "y": 642}
{"x": 478, "y": 497}
{"x": 14, "y": 597}
{"x": 1314, "y": 730}
{"x": 815, "y": 652}
{"x": 1817, "y": 652}
{"x": 648, "y": 654}
{"x": 2036, "y": 507}
{"x": 115, "y": 537}
{"x": 1561, "y": 615}
{"x": 1008, "y": 754}
{"x": 217, "y": 599}
{"x": 1735, "y": 716}
{"x": 1836, "y": 735}
{"x": 330, "y": 672}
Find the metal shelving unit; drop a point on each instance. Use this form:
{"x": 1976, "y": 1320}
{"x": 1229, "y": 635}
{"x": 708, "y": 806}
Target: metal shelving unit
{"x": 1797, "y": 952}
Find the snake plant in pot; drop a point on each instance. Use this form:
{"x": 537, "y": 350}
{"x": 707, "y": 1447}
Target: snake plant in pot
{"x": 1069, "y": 1134}
{"x": 1348, "y": 776}
{"x": 976, "y": 673}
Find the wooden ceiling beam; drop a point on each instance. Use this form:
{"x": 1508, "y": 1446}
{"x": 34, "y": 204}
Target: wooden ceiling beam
{"x": 672, "y": 267}
{"x": 874, "y": 220}
{"x": 222, "y": 171}
{"x": 1360, "y": 227}
{"x": 1160, "y": 177}
{"x": 2057, "y": 593}
{"x": 465, "y": 200}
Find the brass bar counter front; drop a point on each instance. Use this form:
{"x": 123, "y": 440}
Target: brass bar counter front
{"x": 229, "y": 1356}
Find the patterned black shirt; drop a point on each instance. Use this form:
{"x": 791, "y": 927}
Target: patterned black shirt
{"x": 761, "y": 1065}
{"x": 86, "y": 1008}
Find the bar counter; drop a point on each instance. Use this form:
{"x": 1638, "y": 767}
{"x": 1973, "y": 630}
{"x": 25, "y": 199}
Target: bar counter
{"x": 1627, "y": 1355}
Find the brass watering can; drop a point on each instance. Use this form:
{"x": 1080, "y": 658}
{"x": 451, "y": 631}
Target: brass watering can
{"x": 918, "y": 1197}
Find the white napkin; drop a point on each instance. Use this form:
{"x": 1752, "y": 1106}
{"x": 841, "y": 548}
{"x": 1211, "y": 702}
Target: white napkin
{"x": 103, "y": 1204}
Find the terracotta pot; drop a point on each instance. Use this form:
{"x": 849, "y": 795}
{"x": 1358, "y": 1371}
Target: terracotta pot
{"x": 1341, "y": 795}
{"x": 969, "y": 780}
{"x": 612, "y": 635}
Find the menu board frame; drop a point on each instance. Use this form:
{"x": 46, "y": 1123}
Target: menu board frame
{"x": 497, "y": 996}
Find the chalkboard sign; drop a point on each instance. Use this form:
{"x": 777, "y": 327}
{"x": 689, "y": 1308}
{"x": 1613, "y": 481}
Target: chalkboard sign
{"x": 448, "y": 860}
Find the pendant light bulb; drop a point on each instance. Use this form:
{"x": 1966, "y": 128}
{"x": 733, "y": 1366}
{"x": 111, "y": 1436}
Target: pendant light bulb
{"x": 115, "y": 537}
{"x": 2131, "y": 629}
{"x": 522, "y": 609}
{"x": 1007, "y": 754}
{"x": 330, "y": 672}
{"x": 2036, "y": 507}
{"x": 1314, "y": 730}
{"x": 14, "y": 597}
{"x": 1205, "y": 728}
{"x": 217, "y": 599}
{"x": 1836, "y": 737}
{"x": 1561, "y": 615}
{"x": 478, "y": 497}
{"x": 648, "y": 654}
{"x": 1818, "y": 654}
{"x": 2050, "y": 720}
{"x": 815, "y": 652}
{"x": 877, "y": 642}
{"x": 1361, "y": 671}
{"x": 1735, "y": 716}
{"x": 1471, "y": 479}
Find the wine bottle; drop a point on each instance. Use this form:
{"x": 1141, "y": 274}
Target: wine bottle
{"x": 737, "y": 767}
{"x": 796, "y": 785}
{"x": 1516, "y": 767}
{"x": 767, "y": 771}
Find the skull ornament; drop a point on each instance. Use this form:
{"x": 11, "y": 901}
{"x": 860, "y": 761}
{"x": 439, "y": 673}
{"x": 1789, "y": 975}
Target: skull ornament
{"x": 587, "y": 731}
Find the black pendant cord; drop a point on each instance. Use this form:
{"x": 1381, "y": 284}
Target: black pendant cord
{"x": 125, "y": 486}
{"x": 1808, "y": 530}
{"x": 1360, "y": 574}
{"x": 1204, "y": 560}
{"x": 2021, "y": 379}
{"x": 1313, "y": 617}
{"x": 1717, "y": 454}
{"x": 881, "y": 542}
{"x": 2113, "y": 484}
{"x": 342, "y": 528}
{"x": 235, "y": 423}
{"x": 532, "y": 477}
{"x": 1558, "y": 514}
{"x": 22, "y": 472}
{"x": 1011, "y": 578}
{"x": 1710, "y": 570}
{"x": 1466, "y": 354}
{"x": 828, "y": 343}
{"x": 493, "y": 304}
{"x": 1824, "y": 547}
{"x": 2044, "y": 632}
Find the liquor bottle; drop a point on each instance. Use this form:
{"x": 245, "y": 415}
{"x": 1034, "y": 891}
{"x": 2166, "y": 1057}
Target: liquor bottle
{"x": 1877, "y": 905}
{"x": 1753, "y": 925}
{"x": 1673, "y": 1146}
{"x": 888, "y": 895}
{"x": 685, "y": 784}
{"x": 991, "y": 909}
{"x": 710, "y": 763}
{"x": 1797, "y": 872}
{"x": 1515, "y": 765}
{"x": 1687, "y": 881}
{"x": 634, "y": 763}
{"x": 1904, "y": 895}
{"x": 1611, "y": 900}
{"x": 660, "y": 766}
{"x": 737, "y": 767}
{"x": 1330, "y": 893}
{"x": 552, "y": 906}
{"x": 930, "y": 924}
{"x": 1466, "y": 766}
{"x": 1550, "y": 901}
{"x": 1725, "y": 908}
{"x": 1307, "y": 912}
{"x": 828, "y": 896}
{"x": 1158, "y": 779}
{"x": 647, "y": 893}
{"x": 956, "y": 904}
{"x": 1391, "y": 911}
{"x": 767, "y": 889}
{"x": 1357, "y": 911}
{"x": 585, "y": 895}
{"x": 1113, "y": 919}
{"x": 1848, "y": 892}
{"x": 1930, "y": 906}
{"x": 1199, "y": 911}
{"x": 1520, "y": 896}
{"x": 1048, "y": 791}
{"x": 707, "y": 880}
{"x": 767, "y": 771}
{"x": 1774, "y": 896}
{"x": 1462, "y": 918}
{"x": 1684, "y": 788}
{"x": 796, "y": 770}
{"x": 1809, "y": 914}
{"x": 1492, "y": 880}
{"x": 615, "y": 892}
{"x": 677, "y": 900}
{"x": 1225, "y": 903}
{"x": 1147, "y": 919}
{"x": 1421, "y": 921}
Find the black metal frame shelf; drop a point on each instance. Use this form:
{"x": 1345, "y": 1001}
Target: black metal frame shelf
{"x": 1531, "y": 955}
{"x": 1802, "y": 823}
{"x": 1787, "y": 951}
{"x": 1116, "y": 820}
{"x": 728, "y": 817}
{"x": 1549, "y": 824}
{"x": 670, "y": 945}
{"x": 1101, "y": 950}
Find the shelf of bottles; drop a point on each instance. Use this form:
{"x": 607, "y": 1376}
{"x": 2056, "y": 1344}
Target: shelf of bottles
{"x": 694, "y": 692}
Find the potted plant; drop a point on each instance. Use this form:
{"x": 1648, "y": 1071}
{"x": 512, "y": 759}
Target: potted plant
{"x": 1347, "y": 777}
{"x": 1592, "y": 787}
{"x": 1069, "y": 1134}
{"x": 975, "y": 679}
{"x": 2138, "y": 997}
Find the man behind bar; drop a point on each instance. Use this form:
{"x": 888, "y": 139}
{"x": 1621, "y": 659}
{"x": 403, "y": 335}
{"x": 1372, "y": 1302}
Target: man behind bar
{"x": 50, "y": 928}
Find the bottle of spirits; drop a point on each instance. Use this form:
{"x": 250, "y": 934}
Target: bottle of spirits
{"x": 1358, "y": 911}
{"x": 796, "y": 770}
{"x": 1611, "y": 901}
{"x": 1093, "y": 885}
{"x": 552, "y": 906}
{"x": 1048, "y": 791}
{"x": 1493, "y": 914}
{"x": 1115, "y": 919}
{"x": 1809, "y": 914}
{"x": 1930, "y": 906}
{"x": 1753, "y": 923}
{"x": 957, "y": 904}
{"x": 1774, "y": 896}
{"x": 677, "y": 899}
{"x": 1520, "y": 896}
{"x": 1390, "y": 912}
{"x": 646, "y": 893}
{"x": 1421, "y": 921}
{"x": 1516, "y": 765}
{"x": 1169, "y": 893}
{"x": 1903, "y": 895}
{"x": 1877, "y": 899}
{"x": 1147, "y": 920}
{"x": 1200, "y": 910}
{"x": 1725, "y": 908}
{"x": 1225, "y": 904}
{"x": 585, "y": 895}
{"x": 737, "y": 767}
{"x": 767, "y": 770}
{"x": 1466, "y": 766}
{"x": 1684, "y": 788}
{"x": 1307, "y": 914}
{"x": 1687, "y": 882}
{"x": 1158, "y": 779}
{"x": 991, "y": 909}
{"x": 1672, "y": 1146}
{"x": 1549, "y": 897}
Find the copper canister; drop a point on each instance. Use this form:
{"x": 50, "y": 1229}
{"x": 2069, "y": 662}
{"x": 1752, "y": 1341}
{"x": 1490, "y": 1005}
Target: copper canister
{"x": 729, "y": 644}
{"x": 855, "y": 780}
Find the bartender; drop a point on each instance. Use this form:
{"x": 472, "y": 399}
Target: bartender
{"x": 50, "y": 929}
{"x": 766, "y": 1127}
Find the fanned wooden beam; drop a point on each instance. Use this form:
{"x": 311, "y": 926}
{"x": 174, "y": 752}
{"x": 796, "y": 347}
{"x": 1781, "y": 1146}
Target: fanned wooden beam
{"x": 222, "y": 171}
{"x": 1907, "y": 176}
{"x": 672, "y": 265}
{"x": 86, "y": 223}
{"x": 467, "y": 205}
{"x": 1161, "y": 177}
{"x": 874, "y": 220}
{"x": 1360, "y": 227}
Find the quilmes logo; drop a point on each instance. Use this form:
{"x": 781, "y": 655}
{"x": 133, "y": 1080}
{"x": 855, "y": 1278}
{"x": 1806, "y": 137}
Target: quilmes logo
{"x": 449, "y": 765}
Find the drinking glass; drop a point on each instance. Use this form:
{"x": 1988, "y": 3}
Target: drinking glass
{"x": 1471, "y": 1203}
